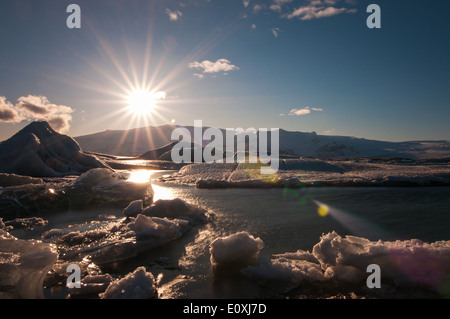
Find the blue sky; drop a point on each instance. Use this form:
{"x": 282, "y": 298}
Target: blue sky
{"x": 300, "y": 65}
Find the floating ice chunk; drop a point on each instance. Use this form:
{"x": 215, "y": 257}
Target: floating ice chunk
{"x": 91, "y": 285}
{"x": 116, "y": 240}
{"x": 55, "y": 232}
{"x": 104, "y": 186}
{"x": 408, "y": 263}
{"x": 402, "y": 262}
{"x": 346, "y": 273}
{"x": 299, "y": 255}
{"x": 178, "y": 208}
{"x": 23, "y": 266}
{"x": 284, "y": 274}
{"x": 137, "y": 285}
{"x": 99, "y": 176}
{"x": 134, "y": 208}
{"x": 239, "y": 248}
{"x": 27, "y": 223}
{"x": 108, "y": 252}
{"x": 161, "y": 229}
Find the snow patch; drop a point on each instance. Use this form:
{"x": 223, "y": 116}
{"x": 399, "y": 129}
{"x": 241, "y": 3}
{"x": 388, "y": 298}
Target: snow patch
{"x": 139, "y": 284}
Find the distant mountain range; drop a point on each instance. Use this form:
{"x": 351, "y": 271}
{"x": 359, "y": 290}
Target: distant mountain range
{"x": 139, "y": 141}
{"x": 39, "y": 151}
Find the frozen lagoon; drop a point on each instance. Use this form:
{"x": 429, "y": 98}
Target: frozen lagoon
{"x": 287, "y": 222}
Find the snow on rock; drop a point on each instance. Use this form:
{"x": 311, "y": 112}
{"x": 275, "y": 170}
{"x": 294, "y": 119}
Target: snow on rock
{"x": 39, "y": 151}
{"x": 345, "y": 260}
{"x": 239, "y": 248}
{"x": 139, "y": 284}
{"x": 178, "y": 208}
{"x": 23, "y": 266}
{"x": 134, "y": 208}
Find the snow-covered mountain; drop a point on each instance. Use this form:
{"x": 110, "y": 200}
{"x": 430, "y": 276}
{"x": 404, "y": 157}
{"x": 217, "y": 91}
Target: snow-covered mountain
{"x": 37, "y": 150}
{"x": 136, "y": 142}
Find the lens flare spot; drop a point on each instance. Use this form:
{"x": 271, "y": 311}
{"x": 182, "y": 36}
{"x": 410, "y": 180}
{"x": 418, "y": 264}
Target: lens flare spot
{"x": 323, "y": 210}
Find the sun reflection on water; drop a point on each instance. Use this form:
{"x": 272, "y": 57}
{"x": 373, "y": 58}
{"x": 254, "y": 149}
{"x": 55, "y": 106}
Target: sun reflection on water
{"x": 145, "y": 176}
{"x": 140, "y": 176}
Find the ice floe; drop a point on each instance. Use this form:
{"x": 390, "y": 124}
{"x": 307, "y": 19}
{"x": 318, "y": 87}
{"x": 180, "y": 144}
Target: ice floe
{"x": 240, "y": 248}
{"x": 344, "y": 260}
{"x": 304, "y": 172}
{"x": 100, "y": 187}
{"x": 139, "y": 284}
{"x": 23, "y": 266}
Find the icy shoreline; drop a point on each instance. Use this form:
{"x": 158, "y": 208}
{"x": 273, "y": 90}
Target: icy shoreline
{"x": 334, "y": 267}
{"x": 298, "y": 173}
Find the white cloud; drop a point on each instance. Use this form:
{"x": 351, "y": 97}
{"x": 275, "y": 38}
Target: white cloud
{"x": 246, "y": 3}
{"x": 275, "y": 32}
{"x": 253, "y": 26}
{"x": 277, "y": 4}
{"x": 199, "y": 76}
{"x": 36, "y": 108}
{"x": 303, "y": 111}
{"x": 7, "y": 111}
{"x": 174, "y": 15}
{"x": 257, "y": 8}
{"x": 209, "y": 67}
{"x": 317, "y": 9}
{"x": 160, "y": 95}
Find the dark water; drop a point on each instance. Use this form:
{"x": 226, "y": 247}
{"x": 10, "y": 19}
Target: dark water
{"x": 288, "y": 220}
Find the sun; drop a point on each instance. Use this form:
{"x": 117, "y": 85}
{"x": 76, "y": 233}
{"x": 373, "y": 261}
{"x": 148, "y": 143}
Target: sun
{"x": 141, "y": 102}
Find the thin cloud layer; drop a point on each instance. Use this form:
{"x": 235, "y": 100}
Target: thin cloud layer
{"x": 36, "y": 108}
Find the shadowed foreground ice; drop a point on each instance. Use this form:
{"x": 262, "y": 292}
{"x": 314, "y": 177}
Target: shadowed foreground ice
{"x": 409, "y": 268}
{"x": 24, "y": 266}
{"x": 100, "y": 187}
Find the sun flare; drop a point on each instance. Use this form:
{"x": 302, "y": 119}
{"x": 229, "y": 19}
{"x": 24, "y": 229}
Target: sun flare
{"x": 141, "y": 102}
